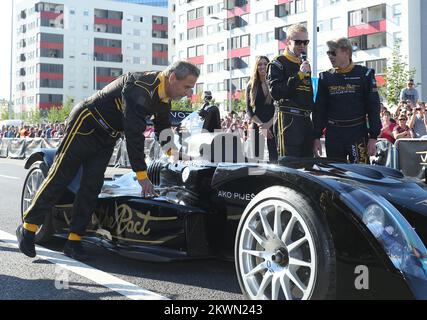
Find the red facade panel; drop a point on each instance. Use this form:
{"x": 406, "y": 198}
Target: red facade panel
{"x": 380, "y": 80}
{"x": 51, "y": 15}
{"x": 367, "y": 28}
{"x": 113, "y": 22}
{"x": 197, "y": 60}
{"x": 51, "y": 45}
{"x": 160, "y": 27}
{"x": 240, "y": 52}
{"x": 50, "y": 75}
{"x": 238, "y": 11}
{"x": 283, "y": 1}
{"x": 160, "y": 54}
{"x": 110, "y": 50}
{"x": 104, "y": 78}
{"x": 195, "y": 23}
{"x": 282, "y": 44}
{"x": 48, "y": 105}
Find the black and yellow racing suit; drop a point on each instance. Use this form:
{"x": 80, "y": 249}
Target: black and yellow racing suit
{"x": 93, "y": 128}
{"x": 348, "y": 106}
{"x": 293, "y": 95}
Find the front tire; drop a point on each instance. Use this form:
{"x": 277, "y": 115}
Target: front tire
{"x": 284, "y": 249}
{"x": 36, "y": 174}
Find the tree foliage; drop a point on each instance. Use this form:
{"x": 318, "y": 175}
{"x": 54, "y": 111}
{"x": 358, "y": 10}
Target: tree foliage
{"x": 55, "y": 114}
{"x": 396, "y": 76}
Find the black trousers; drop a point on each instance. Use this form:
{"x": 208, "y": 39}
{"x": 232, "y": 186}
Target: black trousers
{"x": 294, "y": 135}
{"x": 85, "y": 145}
{"x": 352, "y": 152}
{"x": 259, "y": 145}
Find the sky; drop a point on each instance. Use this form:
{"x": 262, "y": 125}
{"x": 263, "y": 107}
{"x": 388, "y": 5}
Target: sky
{"x": 5, "y": 34}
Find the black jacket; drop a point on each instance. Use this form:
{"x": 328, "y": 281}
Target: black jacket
{"x": 347, "y": 95}
{"x": 287, "y": 84}
{"x": 126, "y": 104}
{"x": 262, "y": 110}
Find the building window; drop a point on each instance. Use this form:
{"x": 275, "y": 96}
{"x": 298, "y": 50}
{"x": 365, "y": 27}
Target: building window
{"x": 371, "y": 41}
{"x": 379, "y": 66}
{"x": 199, "y": 88}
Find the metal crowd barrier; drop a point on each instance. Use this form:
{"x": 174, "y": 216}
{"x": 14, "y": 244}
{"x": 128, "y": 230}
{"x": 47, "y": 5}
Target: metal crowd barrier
{"x": 21, "y": 148}
{"x": 406, "y": 155}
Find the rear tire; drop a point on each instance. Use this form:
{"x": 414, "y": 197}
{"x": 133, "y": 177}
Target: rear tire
{"x": 36, "y": 174}
{"x": 284, "y": 249}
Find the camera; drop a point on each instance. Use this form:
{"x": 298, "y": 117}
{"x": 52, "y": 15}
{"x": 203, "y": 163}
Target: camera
{"x": 207, "y": 95}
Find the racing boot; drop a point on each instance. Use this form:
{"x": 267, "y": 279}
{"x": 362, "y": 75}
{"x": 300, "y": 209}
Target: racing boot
{"x": 74, "y": 250}
{"x": 26, "y": 241}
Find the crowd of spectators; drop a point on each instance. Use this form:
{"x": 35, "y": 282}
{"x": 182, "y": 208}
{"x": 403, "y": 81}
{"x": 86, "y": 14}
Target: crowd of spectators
{"x": 47, "y": 131}
{"x": 236, "y": 123}
{"x": 408, "y": 121}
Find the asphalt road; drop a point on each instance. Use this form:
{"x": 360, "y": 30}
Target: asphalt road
{"x": 57, "y": 279}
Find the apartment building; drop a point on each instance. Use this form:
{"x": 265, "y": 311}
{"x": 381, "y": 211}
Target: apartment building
{"x": 224, "y": 37}
{"x": 70, "y": 48}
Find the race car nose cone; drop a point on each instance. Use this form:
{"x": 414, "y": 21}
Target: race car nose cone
{"x": 281, "y": 257}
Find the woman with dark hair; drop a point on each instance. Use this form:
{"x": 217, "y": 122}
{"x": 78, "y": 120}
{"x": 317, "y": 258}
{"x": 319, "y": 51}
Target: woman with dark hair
{"x": 260, "y": 108}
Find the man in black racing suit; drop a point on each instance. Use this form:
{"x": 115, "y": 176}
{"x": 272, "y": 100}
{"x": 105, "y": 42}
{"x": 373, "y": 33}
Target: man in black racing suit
{"x": 93, "y": 128}
{"x": 289, "y": 79}
{"x": 348, "y": 106}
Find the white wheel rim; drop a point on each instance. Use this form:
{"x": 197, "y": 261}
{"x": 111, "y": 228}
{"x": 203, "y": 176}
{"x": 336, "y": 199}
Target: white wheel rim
{"x": 276, "y": 253}
{"x": 31, "y": 186}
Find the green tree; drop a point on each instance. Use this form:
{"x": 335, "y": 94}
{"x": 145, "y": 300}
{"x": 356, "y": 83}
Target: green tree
{"x": 60, "y": 113}
{"x": 34, "y": 117}
{"x": 185, "y": 104}
{"x": 396, "y": 76}
{"x": 239, "y": 104}
{"x": 4, "y": 114}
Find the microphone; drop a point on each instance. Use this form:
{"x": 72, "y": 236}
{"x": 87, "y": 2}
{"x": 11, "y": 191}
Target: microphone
{"x": 303, "y": 59}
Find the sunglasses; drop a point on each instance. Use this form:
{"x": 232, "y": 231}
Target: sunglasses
{"x": 331, "y": 53}
{"x": 403, "y": 119}
{"x": 300, "y": 42}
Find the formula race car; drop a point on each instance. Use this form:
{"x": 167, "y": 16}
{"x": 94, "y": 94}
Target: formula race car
{"x": 298, "y": 229}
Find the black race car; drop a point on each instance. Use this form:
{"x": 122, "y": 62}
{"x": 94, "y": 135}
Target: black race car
{"x": 299, "y": 229}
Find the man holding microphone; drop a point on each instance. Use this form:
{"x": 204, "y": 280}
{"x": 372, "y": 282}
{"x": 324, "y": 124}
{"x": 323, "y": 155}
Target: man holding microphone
{"x": 289, "y": 80}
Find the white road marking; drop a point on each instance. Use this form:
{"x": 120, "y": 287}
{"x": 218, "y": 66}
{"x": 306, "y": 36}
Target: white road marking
{"x": 9, "y": 177}
{"x": 125, "y": 288}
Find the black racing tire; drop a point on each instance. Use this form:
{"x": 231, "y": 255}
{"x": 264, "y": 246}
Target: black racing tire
{"x": 36, "y": 174}
{"x": 284, "y": 248}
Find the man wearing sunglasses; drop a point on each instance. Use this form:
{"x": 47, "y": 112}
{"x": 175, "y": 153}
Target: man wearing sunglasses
{"x": 410, "y": 93}
{"x": 348, "y": 106}
{"x": 289, "y": 80}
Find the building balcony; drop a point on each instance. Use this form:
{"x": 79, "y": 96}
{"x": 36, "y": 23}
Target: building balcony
{"x": 160, "y": 54}
{"x": 160, "y": 27}
{"x": 239, "y": 11}
{"x": 51, "y": 75}
{"x": 108, "y": 21}
{"x": 367, "y": 28}
{"x": 110, "y": 50}
{"x": 195, "y": 23}
{"x": 239, "y": 52}
{"x": 52, "y": 45}
{"x": 197, "y": 60}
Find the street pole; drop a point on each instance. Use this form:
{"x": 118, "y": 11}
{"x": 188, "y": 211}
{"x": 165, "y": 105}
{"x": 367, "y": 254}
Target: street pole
{"x": 230, "y": 87}
{"x": 10, "y": 110}
{"x": 314, "y": 35}
{"x": 94, "y": 74}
